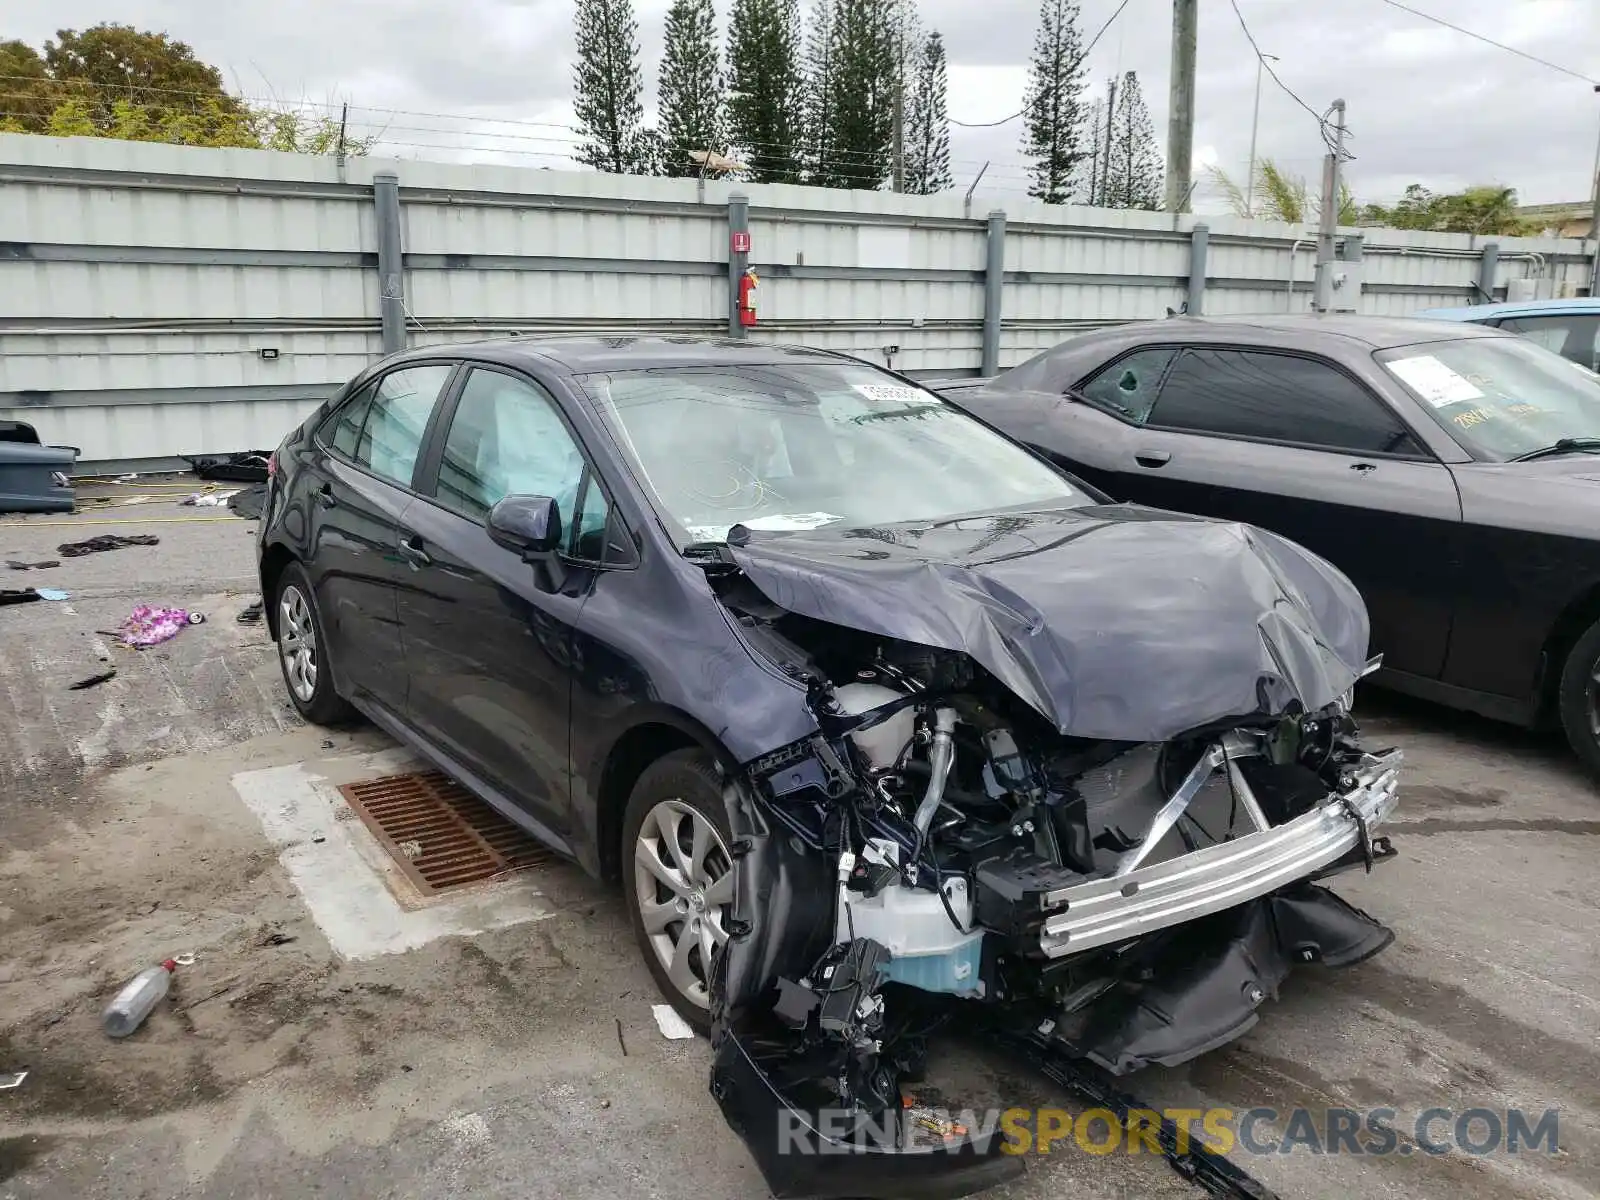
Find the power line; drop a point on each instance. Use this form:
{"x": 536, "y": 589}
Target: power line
{"x": 1321, "y": 117}
{"x": 1543, "y": 62}
{"x": 1075, "y": 66}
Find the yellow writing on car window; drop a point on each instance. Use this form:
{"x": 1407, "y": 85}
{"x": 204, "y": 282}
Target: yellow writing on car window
{"x": 1524, "y": 410}
{"x": 1473, "y": 416}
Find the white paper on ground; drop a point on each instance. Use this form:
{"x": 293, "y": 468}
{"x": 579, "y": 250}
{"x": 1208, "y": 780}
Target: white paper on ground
{"x": 1433, "y": 381}
{"x": 670, "y": 1023}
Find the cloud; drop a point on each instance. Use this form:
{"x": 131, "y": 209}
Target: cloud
{"x": 1426, "y": 104}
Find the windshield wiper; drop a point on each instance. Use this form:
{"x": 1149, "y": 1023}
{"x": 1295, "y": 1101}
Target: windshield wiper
{"x": 1572, "y": 445}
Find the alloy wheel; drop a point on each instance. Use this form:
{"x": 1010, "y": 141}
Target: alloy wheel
{"x": 683, "y": 877}
{"x": 297, "y": 643}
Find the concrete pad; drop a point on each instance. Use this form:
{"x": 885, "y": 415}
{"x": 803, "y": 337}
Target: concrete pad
{"x": 348, "y": 880}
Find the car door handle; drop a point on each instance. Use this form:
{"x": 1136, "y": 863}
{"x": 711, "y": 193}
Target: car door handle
{"x": 1152, "y": 458}
{"x": 1364, "y": 468}
{"x": 325, "y": 496}
{"x": 414, "y": 554}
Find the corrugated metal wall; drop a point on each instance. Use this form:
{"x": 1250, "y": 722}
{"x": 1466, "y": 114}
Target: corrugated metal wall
{"x": 160, "y": 300}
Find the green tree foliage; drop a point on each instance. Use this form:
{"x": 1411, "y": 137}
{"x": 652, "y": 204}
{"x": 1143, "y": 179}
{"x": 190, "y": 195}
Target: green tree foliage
{"x": 766, "y": 102}
{"x": 1053, "y": 138}
{"x": 927, "y": 124}
{"x": 820, "y": 68}
{"x": 1485, "y": 208}
{"x": 691, "y": 87}
{"x": 865, "y": 81}
{"x": 1133, "y": 169}
{"x": 1280, "y": 196}
{"x": 608, "y": 86}
{"x": 117, "y": 82}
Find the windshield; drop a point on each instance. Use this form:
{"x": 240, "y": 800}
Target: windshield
{"x": 1500, "y": 397}
{"x": 802, "y": 446}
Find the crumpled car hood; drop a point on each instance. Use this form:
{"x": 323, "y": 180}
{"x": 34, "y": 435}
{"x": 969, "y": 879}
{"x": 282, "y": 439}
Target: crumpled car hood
{"x": 1113, "y": 621}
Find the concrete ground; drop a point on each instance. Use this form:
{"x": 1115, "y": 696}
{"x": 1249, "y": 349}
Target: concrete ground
{"x": 524, "y": 1061}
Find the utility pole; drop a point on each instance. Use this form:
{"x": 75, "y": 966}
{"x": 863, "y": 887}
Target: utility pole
{"x": 1111, "y": 124}
{"x": 1594, "y": 221}
{"x": 898, "y": 171}
{"x": 1332, "y": 167}
{"x": 1180, "y": 104}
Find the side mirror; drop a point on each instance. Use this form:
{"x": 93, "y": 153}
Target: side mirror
{"x": 527, "y": 525}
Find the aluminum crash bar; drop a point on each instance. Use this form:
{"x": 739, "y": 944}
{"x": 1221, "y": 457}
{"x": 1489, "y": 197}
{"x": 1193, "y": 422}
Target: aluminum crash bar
{"x": 1143, "y": 899}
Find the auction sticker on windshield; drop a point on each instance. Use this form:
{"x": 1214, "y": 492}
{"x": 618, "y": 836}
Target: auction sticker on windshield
{"x": 1433, "y": 381}
{"x": 891, "y": 392}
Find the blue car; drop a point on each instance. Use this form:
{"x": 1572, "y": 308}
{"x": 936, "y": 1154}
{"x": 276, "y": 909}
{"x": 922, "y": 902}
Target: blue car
{"x": 1569, "y": 327}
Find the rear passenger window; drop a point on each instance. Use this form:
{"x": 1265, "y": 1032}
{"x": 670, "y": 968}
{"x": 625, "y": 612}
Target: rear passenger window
{"x": 342, "y": 430}
{"x": 1128, "y": 386}
{"x": 392, "y": 436}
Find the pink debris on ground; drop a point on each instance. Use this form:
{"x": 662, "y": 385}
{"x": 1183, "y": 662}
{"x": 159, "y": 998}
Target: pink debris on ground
{"x": 147, "y": 626}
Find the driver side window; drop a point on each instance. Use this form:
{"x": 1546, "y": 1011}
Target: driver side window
{"x": 507, "y": 438}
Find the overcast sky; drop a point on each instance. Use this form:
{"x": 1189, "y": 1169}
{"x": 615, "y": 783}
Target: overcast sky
{"x": 1425, "y": 104}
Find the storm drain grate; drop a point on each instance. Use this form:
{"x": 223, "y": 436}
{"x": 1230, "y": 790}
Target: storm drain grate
{"x": 440, "y": 834}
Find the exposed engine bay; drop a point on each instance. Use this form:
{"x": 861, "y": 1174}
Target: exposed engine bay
{"x": 941, "y": 850}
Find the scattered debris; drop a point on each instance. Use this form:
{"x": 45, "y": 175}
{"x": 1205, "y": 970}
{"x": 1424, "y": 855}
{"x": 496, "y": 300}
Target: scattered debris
{"x": 620, "y": 1042}
{"x": 130, "y": 1006}
{"x": 412, "y": 849}
{"x": 327, "y": 743}
{"x": 207, "y": 499}
{"x": 13, "y": 1080}
{"x": 672, "y": 1026}
{"x": 93, "y": 680}
{"x": 248, "y": 502}
{"x": 107, "y": 541}
{"x": 32, "y": 566}
{"x": 53, "y": 594}
{"x": 251, "y": 614}
{"x": 147, "y": 626}
{"x": 247, "y": 467}
{"x": 276, "y": 938}
{"x": 18, "y": 595}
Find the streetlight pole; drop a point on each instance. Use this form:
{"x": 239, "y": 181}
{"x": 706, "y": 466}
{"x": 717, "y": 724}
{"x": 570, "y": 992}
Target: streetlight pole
{"x": 1255, "y": 123}
{"x": 1594, "y": 220}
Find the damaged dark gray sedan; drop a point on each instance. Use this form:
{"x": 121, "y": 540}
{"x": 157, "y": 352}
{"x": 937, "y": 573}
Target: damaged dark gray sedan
{"x": 879, "y": 719}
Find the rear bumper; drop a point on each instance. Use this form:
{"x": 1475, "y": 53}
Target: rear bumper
{"x": 1222, "y": 876}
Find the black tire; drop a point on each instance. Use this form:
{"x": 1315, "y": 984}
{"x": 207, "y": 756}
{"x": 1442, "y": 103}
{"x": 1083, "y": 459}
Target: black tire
{"x": 676, "y": 792}
{"x": 294, "y": 608}
{"x": 1580, "y": 691}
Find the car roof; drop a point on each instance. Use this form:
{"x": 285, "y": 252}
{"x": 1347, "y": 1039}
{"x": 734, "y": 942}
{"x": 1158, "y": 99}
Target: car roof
{"x": 1312, "y": 331}
{"x": 624, "y": 351}
{"x": 1515, "y": 308}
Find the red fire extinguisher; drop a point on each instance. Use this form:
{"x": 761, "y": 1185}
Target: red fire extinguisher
{"x": 747, "y": 297}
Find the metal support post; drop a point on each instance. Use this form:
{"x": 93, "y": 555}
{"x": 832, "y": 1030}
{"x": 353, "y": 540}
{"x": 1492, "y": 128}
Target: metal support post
{"x": 391, "y": 269}
{"x": 993, "y": 280}
{"x": 738, "y": 260}
{"x": 1199, "y": 244}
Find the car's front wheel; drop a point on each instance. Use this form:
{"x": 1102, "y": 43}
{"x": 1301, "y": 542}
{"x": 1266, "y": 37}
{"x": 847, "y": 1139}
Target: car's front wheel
{"x": 303, "y": 651}
{"x": 1579, "y": 699}
{"x": 678, "y": 877}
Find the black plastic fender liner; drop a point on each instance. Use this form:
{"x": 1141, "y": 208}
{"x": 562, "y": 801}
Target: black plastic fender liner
{"x": 812, "y": 1153}
{"x": 1204, "y": 989}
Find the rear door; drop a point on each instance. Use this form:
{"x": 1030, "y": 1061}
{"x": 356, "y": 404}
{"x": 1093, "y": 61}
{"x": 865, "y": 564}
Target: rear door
{"x": 489, "y": 635}
{"x": 357, "y": 486}
{"x": 1296, "y": 445}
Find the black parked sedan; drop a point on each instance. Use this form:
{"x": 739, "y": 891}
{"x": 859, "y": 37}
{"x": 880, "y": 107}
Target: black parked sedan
{"x": 847, "y": 690}
{"x": 1449, "y": 470}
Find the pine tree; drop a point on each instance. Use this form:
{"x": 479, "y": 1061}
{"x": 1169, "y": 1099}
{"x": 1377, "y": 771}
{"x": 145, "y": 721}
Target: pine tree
{"x": 820, "y": 61}
{"x": 1133, "y": 175}
{"x": 865, "y": 81}
{"x": 607, "y": 85}
{"x": 766, "y": 104}
{"x": 690, "y": 88}
{"x": 1052, "y": 107}
{"x": 1090, "y": 176}
{"x": 927, "y": 126}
